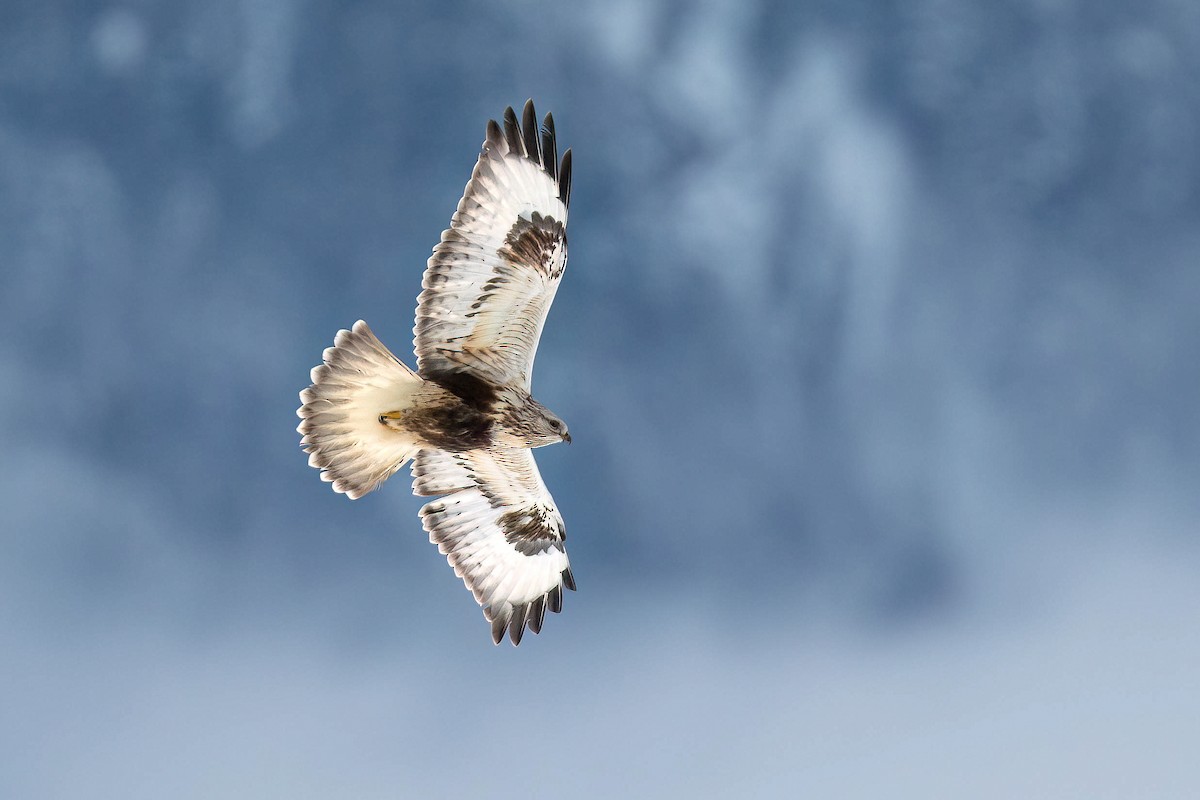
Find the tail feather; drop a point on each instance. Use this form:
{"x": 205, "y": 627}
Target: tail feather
{"x": 339, "y": 420}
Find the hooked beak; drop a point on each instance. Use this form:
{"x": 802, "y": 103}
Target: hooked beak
{"x": 566, "y": 438}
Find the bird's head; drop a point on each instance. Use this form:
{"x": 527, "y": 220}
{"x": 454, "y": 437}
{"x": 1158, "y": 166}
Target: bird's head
{"x": 559, "y": 428}
{"x": 537, "y": 426}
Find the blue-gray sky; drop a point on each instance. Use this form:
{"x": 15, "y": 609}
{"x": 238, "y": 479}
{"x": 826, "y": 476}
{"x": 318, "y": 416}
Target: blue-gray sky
{"x": 878, "y": 344}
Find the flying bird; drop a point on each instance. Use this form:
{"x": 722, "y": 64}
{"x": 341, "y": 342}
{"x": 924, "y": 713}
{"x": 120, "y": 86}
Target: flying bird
{"x": 465, "y": 418}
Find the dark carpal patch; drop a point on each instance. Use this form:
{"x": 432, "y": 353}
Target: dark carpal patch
{"x": 531, "y": 531}
{"x": 534, "y": 241}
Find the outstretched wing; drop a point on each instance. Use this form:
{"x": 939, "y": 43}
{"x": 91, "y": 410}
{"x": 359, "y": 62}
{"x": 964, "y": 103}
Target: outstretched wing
{"x": 491, "y": 279}
{"x": 500, "y": 529}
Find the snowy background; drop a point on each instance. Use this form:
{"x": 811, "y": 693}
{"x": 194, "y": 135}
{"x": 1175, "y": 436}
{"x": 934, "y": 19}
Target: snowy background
{"x": 880, "y": 347}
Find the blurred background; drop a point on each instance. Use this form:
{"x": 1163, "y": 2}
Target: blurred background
{"x": 879, "y": 345}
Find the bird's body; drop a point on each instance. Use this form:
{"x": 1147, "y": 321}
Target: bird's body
{"x": 463, "y": 415}
{"x": 466, "y": 418}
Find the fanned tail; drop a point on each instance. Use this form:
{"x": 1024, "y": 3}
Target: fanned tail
{"x": 342, "y": 432}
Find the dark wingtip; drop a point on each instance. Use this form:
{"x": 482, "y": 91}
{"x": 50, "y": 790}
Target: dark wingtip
{"x": 537, "y": 613}
{"x": 498, "y": 626}
{"x": 568, "y": 579}
{"x": 554, "y": 599}
{"x": 529, "y": 130}
{"x": 523, "y": 138}
{"x": 549, "y": 146}
{"x": 512, "y": 131}
{"x": 493, "y": 132}
{"x": 516, "y": 627}
{"x": 564, "y": 179}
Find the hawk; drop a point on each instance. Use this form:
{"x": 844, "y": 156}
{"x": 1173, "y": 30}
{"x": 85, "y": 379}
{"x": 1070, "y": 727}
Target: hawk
{"x": 465, "y": 418}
